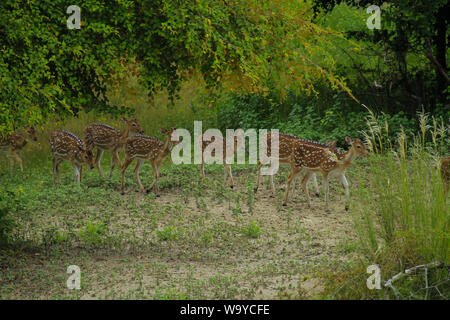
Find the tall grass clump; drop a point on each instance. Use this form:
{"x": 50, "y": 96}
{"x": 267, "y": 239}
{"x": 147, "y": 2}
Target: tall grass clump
{"x": 401, "y": 217}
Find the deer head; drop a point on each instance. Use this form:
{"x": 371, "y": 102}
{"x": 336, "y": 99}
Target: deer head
{"x": 358, "y": 146}
{"x": 31, "y": 132}
{"x": 87, "y": 156}
{"x": 133, "y": 126}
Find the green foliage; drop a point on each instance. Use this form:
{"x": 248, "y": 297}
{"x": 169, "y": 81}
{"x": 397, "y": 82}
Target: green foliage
{"x": 48, "y": 69}
{"x": 168, "y": 233}
{"x": 252, "y": 230}
{"x": 93, "y": 233}
{"x": 307, "y": 117}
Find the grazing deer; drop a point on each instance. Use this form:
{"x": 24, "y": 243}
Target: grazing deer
{"x": 445, "y": 175}
{"x": 227, "y": 153}
{"x": 107, "y": 138}
{"x": 67, "y": 146}
{"x": 313, "y": 158}
{"x": 13, "y": 143}
{"x": 151, "y": 149}
{"x": 286, "y": 142}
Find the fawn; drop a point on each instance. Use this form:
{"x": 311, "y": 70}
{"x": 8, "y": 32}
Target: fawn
{"x": 106, "y": 138}
{"x": 67, "y": 146}
{"x": 13, "y": 143}
{"x": 445, "y": 175}
{"x": 151, "y": 149}
{"x": 313, "y": 158}
{"x": 285, "y": 143}
{"x": 227, "y": 153}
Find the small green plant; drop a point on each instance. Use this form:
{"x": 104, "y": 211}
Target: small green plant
{"x": 252, "y": 230}
{"x": 168, "y": 233}
{"x": 93, "y": 233}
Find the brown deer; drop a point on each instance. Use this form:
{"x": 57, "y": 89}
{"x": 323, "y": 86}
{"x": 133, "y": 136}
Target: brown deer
{"x": 65, "y": 145}
{"x": 205, "y": 140}
{"x": 445, "y": 175}
{"x": 151, "y": 149}
{"x": 286, "y": 142}
{"x": 13, "y": 143}
{"x": 106, "y": 138}
{"x": 313, "y": 158}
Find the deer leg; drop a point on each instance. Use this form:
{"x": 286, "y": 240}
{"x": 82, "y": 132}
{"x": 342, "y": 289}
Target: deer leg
{"x": 227, "y": 169}
{"x": 123, "y": 169}
{"x": 54, "y": 170}
{"x": 98, "y": 159}
{"x": 294, "y": 172}
{"x": 258, "y": 175}
{"x": 77, "y": 172}
{"x": 326, "y": 188}
{"x": 58, "y": 162}
{"x": 305, "y": 187}
{"x": 11, "y": 165}
{"x": 155, "y": 181}
{"x": 347, "y": 194}
{"x": 136, "y": 174}
{"x": 316, "y": 186}
{"x": 115, "y": 159}
{"x": 293, "y": 188}
{"x": 18, "y": 159}
{"x": 202, "y": 167}
{"x": 272, "y": 185}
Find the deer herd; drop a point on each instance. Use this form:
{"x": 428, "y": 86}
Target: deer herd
{"x": 312, "y": 157}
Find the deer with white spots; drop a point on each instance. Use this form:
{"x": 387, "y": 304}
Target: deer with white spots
{"x": 286, "y": 142}
{"x": 15, "y": 142}
{"x": 228, "y": 151}
{"x": 314, "y": 159}
{"x": 65, "y": 145}
{"x": 151, "y": 149}
{"x": 107, "y": 138}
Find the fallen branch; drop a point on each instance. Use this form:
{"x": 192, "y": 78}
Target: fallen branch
{"x": 389, "y": 283}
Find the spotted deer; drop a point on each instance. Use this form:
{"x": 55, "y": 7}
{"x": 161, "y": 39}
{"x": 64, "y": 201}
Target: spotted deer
{"x": 445, "y": 175}
{"x": 228, "y": 151}
{"x": 107, "y": 138}
{"x": 65, "y": 145}
{"x": 13, "y": 143}
{"x": 151, "y": 149}
{"x": 314, "y": 159}
{"x": 286, "y": 142}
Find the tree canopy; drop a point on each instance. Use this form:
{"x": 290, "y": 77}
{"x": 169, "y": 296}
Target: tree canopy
{"x": 49, "y": 69}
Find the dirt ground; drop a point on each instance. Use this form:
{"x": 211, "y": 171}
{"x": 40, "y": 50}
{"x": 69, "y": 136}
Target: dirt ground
{"x": 198, "y": 240}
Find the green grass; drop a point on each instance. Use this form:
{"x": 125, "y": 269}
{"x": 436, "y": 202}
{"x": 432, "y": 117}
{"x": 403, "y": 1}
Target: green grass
{"x": 202, "y": 240}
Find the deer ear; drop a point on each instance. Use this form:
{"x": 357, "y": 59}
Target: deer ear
{"x": 333, "y": 143}
{"x": 164, "y": 131}
{"x": 348, "y": 140}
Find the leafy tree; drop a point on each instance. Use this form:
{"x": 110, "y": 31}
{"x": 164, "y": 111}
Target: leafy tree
{"x": 247, "y": 45}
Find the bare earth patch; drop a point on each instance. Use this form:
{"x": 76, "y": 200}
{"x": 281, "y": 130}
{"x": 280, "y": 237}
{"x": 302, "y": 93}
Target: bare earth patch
{"x": 198, "y": 240}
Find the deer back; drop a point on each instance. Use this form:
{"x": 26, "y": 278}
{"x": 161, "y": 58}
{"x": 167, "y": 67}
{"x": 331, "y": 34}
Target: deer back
{"x": 309, "y": 155}
{"x": 100, "y": 134}
{"x": 145, "y": 147}
{"x": 66, "y": 145}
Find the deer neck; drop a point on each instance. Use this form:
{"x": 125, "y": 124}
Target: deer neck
{"x": 349, "y": 156}
{"x": 165, "y": 149}
{"x": 125, "y": 134}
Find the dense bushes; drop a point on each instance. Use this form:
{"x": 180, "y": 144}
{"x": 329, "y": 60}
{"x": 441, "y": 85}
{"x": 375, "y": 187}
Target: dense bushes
{"x": 332, "y": 116}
